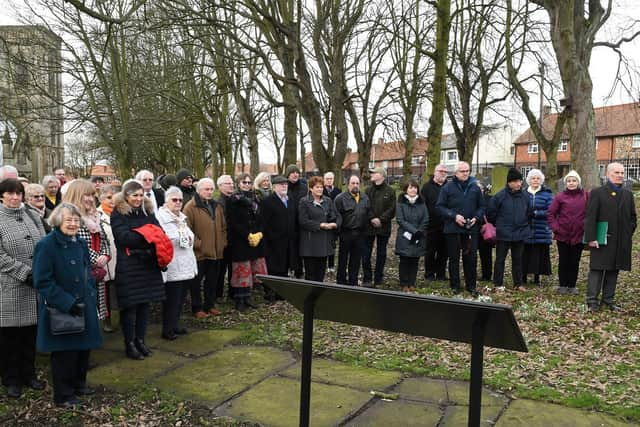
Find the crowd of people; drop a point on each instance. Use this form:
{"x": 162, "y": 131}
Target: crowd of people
{"x": 84, "y": 249}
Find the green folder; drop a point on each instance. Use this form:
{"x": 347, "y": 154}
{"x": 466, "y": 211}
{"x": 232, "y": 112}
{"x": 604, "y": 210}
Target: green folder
{"x": 602, "y": 227}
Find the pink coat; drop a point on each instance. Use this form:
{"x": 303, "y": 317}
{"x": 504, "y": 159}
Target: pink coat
{"x": 566, "y": 216}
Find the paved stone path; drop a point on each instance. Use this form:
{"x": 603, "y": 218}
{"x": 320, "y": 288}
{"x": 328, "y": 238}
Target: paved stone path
{"x": 261, "y": 385}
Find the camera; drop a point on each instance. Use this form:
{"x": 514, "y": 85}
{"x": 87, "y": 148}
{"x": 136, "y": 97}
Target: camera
{"x": 468, "y": 224}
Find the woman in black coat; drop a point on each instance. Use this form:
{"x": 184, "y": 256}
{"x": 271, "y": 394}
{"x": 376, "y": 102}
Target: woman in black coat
{"x": 319, "y": 220}
{"x": 245, "y": 228}
{"x": 138, "y": 276}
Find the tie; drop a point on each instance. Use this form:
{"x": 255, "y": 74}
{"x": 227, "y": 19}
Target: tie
{"x": 148, "y": 194}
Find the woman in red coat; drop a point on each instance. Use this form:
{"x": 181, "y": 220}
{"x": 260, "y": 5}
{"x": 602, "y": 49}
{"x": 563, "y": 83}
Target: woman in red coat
{"x": 566, "y": 219}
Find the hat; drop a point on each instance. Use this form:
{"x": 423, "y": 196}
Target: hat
{"x": 291, "y": 169}
{"x": 514, "y": 175}
{"x": 168, "y": 180}
{"x": 279, "y": 179}
{"x": 182, "y": 174}
{"x": 382, "y": 171}
{"x": 130, "y": 187}
{"x": 573, "y": 174}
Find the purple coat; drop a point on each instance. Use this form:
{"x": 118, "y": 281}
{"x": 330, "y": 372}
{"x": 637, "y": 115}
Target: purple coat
{"x": 566, "y": 216}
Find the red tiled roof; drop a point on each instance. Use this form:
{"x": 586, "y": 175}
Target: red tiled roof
{"x": 614, "y": 120}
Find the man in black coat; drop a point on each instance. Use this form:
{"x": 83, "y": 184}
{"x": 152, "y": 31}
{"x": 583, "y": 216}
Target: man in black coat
{"x": 332, "y": 192}
{"x": 356, "y": 213}
{"x": 280, "y": 231}
{"x": 614, "y": 205}
{"x": 297, "y": 189}
{"x": 226, "y": 187}
{"x": 435, "y": 260}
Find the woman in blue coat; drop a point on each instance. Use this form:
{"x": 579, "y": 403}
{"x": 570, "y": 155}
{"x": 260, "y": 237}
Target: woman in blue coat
{"x": 535, "y": 259}
{"x": 61, "y": 274}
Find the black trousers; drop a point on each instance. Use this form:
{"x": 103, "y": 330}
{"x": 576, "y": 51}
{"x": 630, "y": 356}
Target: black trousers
{"x": 381, "y": 258}
{"x": 314, "y": 268}
{"x": 350, "y": 254}
{"x": 69, "y": 372}
{"x": 172, "y": 305}
{"x": 208, "y": 279}
{"x": 408, "y": 271}
{"x": 134, "y": 321}
{"x": 486, "y": 258}
{"x": 467, "y": 244}
{"x": 502, "y": 247}
{"x": 18, "y": 354}
{"x": 224, "y": 268}
{"x": 568, "y": 263}
{"x": 435, "y": 259}
{"x": 604, "y": 280}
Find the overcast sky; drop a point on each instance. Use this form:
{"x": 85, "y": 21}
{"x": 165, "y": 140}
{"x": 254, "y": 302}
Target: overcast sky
{"x": 603, "y": 68}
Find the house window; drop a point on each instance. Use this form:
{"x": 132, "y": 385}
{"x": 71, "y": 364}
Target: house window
{"x": 372, "y": 164}
{"x": 442, "y": 156}
{"x": 512, "y": 150}
{"x": 385, "y": 164}
{"x": 635, "y": 142}
{"x": 532, "y": 148}
{"x": 400, "y": 163}
{"x": 564, "y": 146}
{"x": 525, "y": 170}
{"x": 601, "y": 169}
{"x": 452, "y": 156}
{"x": 632, "y": 170}
{"x": 416, "y": 160}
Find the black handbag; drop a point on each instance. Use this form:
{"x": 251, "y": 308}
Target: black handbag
{"x": 61, "y": 323}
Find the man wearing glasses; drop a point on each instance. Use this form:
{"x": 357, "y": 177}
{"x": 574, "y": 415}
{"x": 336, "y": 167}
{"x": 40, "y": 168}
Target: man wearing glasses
{"x": 435, "y": 260}
{"x": 156, "y": 195}
{"x": 461, "y": 206}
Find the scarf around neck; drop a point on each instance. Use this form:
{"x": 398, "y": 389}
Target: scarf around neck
{"x": 92, "y": 222}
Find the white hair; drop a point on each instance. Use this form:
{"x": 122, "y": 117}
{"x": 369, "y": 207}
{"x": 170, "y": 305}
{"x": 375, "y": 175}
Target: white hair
{"x": 173, "y": 190}
{"x": 203, "y": 181}
{"x": 5, "y": 169}
{"x": 50, "y": 178}
{"x": 535, "y": 172}
{"x": 140, "y": 175}
{"x": 329, "y": 174}
{"x": 223, "y": 177}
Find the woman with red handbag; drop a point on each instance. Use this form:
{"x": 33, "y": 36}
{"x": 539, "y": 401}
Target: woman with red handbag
{"x": 81, "y": 193}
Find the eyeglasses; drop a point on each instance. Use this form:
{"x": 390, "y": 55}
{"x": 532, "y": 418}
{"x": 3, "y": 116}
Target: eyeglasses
{"x": 441, "y": 171}
{"x": 464, "y": 171}
{"x": 176, "y": 200}
{"x": 71, "y": 220}
{"x": 148, "y": 179}
{"x": 246, "y": 182}
{"x": 38, "y": 196}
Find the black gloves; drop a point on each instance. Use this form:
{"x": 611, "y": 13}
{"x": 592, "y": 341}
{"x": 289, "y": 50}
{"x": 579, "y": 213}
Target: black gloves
{"x": 417, "y": 236}
{"x": 29, "y": 280}
{"x": 77, "y": 309}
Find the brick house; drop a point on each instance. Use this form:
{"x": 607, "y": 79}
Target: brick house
{"x": 617, "y": 139}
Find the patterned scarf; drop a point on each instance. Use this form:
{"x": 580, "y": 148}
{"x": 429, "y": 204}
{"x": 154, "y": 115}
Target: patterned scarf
{"x": 92, "y": 222}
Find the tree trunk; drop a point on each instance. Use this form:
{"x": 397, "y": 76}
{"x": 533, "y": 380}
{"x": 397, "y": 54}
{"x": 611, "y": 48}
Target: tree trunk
{"x": 290, "y": 125}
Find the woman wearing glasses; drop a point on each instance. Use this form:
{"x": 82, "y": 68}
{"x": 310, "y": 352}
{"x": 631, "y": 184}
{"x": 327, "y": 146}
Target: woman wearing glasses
{"x": 183, "y": 268}
{"x": 245, "y": 239}
{"x": 34, "y": 200}
{"x": 138, "y": 276}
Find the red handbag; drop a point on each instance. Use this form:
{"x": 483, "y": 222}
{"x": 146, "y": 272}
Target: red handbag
{"x": 488, "y": 232}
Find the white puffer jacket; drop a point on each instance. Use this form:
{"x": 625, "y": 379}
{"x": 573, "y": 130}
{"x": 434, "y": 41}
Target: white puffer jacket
{"x": 184, "y": 265}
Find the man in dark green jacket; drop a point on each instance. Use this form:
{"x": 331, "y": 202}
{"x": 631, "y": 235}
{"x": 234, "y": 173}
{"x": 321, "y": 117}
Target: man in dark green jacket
{"x": 383, "y": 206}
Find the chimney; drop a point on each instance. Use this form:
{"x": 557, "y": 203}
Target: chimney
{"x": 546, "y": 110}
{"x": 380, "y": 140}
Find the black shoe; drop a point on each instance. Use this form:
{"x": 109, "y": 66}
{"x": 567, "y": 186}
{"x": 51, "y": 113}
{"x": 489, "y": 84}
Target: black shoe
{"x": 474, "y": 293}
{"x": 169, "y": 337}
{"x": 84, "y": 391}
{"x": 142, "y": 348}
{"x": 14, "y": 391}
{"x": 455, "y": 291}
{"x": 249, "y": 303}
{"x": 132, "y": 352}
{"x": 593, "y": 308}
{"x": 35, "y": 384}
{"x": 241, "y": 306}
{"x": 180, "y": 331}
{"x": 70, "y": 403}
{"x": 613, "y": 307}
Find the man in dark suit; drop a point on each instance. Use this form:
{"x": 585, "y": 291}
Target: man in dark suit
{"x": 280, "y": 231}
{"x": 156, "y": 195}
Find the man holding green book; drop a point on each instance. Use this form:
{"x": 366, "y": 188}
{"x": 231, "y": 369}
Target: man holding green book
{"x": 608, "y": 227}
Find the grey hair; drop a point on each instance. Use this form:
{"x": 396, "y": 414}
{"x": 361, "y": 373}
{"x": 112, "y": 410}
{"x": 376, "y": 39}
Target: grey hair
{"x": 222, "y": 177}
{"x": 55, "y": 220}
{"x": 327, "y": 174}
{"x": 203, "y": 181}
{"x": 535, "y": 172}
{"x": 106, "y": 189}
{"x": 261, "y": 177}
{"x": 32, "y": 189}
{"x": 460, "y": 164}
{"x": 142, "y": 173}
{"x": 49, "y": 178}
{"x": 173, "y": 190}
{"x": 610, "y": 166}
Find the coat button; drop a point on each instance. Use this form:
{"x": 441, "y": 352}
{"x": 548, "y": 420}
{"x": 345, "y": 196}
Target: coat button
{"x": 77, "y": 279}
{"x": 73, "y": 261}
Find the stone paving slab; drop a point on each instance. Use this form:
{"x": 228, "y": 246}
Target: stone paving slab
{"x": 196, "y": 343}
{"x": 125, "y": 374}
{"x": 276, "y": 402}
{"x": 530, "y": 413}
{"x": 398, "y": 412}
{"x": 458, "y": 415}
{"x": 332, "y": 372}
{"x": 458, "y": 392}
{"x": 218, "y": 377}
{"x": 444, "y": 392}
